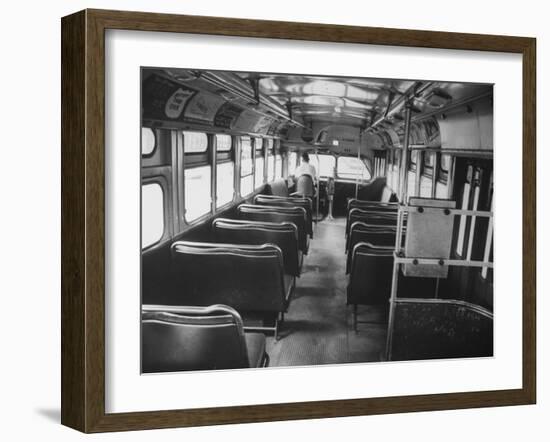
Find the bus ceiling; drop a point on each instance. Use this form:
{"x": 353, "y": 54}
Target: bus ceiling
{"x": 343, "y": 115}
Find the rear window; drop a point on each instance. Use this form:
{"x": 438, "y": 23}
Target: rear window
{"x": 352, "y": 168}
{"x": 324, "y": 165}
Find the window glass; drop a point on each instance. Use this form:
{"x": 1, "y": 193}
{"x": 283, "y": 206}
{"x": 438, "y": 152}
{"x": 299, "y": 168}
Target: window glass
{"x": 197, "y": 192}
{"x": 414, "y": 157}
{"x": 223, "y": 143}
{"x": 278, "y": 166}
{"x": 258, "y": 143}
{"x": 351, "y": 167}
{"x": 148, "y": 141}
{"x": 270, "y": 168}
{"x": 247, "y": 185}
{"x": 411, "y": 183}
{"x": 225, "y": 173}
{"x": 429, "y": 160}
{"x": 291, "y": 163}
{"x": 152, "y": 214}
{"x": 425, "y": 187}
{"x": 259, "y": 175}
{"x": 445, "y": 162}
{"x": 324, "y": 166}
{"x": 246, "y": 156}
{"x": 194, "y": 142}
{"x": 441, "y": 190}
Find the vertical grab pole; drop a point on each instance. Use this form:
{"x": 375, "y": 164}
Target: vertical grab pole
{"x": 400, "y": 218}
{"x": 359, "y": 158}
{"x": 405, "y": 155}
{"x": 318, "y": 187}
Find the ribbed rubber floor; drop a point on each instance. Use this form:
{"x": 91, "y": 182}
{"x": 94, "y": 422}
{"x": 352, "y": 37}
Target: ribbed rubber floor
{"x": 318, "y": 326}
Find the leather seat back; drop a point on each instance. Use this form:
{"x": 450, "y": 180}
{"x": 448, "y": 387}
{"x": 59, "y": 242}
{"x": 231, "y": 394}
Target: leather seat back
{"x": 284, "y": 235}
{"x": 305, "y": 186}
{"x": 375, "y": 235}
{"x": 248, "y": 278}
{"x": 266, "y": 200}
{"x": 277, "y": 187}
{"x": 371, "y": 275}
{"x": 379, "y": 206}
{"x": 192, "y": 338}
{"x": 383, "y": 218}
{"x": 294, "y": 215}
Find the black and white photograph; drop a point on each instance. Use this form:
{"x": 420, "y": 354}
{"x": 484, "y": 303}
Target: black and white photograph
{"x": 302, "y": 220}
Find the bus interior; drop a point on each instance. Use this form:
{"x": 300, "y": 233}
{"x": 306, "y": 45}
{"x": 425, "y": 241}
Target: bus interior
{"x": 381, "y": 252}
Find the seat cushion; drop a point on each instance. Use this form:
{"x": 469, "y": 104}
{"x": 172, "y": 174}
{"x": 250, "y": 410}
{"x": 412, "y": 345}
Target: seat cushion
{"x": 255, "y": 343}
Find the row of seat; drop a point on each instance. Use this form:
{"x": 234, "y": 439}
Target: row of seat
{"x": 198, "y": 338}
{"x": 371, "y": 228}
{"x": 370, "y": 244}
{"x": 247, "y": 271}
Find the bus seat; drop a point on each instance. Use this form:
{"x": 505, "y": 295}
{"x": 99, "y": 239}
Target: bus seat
{"x": 440, "y": 328}
{"x": 371, "y": 217}
{"x": 373, "y": 190}
{"x": 388, "y": 195}
{"x": 354, "y": 203}
{"x": 284, "y": 235}
{"x": 305, "y": 186}
{"x": 295, "y": 215}
{"x": 370, "y": 233}
{"x": 198, "y": 338}
{"x": 267, "y": 200}
{"x": 249, "y": 278}
{"x": 370, "y": 276}
{"x": 278, "y": 187}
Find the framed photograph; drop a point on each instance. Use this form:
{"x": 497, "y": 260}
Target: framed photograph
{"x": 270, "y": 220}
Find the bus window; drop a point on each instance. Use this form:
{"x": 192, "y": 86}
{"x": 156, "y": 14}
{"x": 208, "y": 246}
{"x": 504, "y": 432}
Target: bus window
{"x": 411, "y": 183}
{"x": 148, "y": 141}
{"x": 352, "y": 168}
{"x": 270, "y": 168}
{"x": 324, "y": 166}
{"x": 259, "y": 179}
{"x": 194, "y": 142}
{"x": 247, "y": 177}
{"x": 270, "y": 160}
{"x": 223, "y": 143}
{"x": 425, "y": 186}
{"x": 152, "y": 214}
{"x": 278, "y": 166}
{"x": 224, "y": 183}
{"x": 198, "y": 193}
{"x": 291, "y": 163}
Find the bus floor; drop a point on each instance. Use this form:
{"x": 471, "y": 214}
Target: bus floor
{"x": 318, "y": 328}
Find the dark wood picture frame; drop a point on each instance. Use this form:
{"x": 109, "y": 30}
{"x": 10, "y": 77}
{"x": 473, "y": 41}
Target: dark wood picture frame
{"x": 83, "y": 220}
